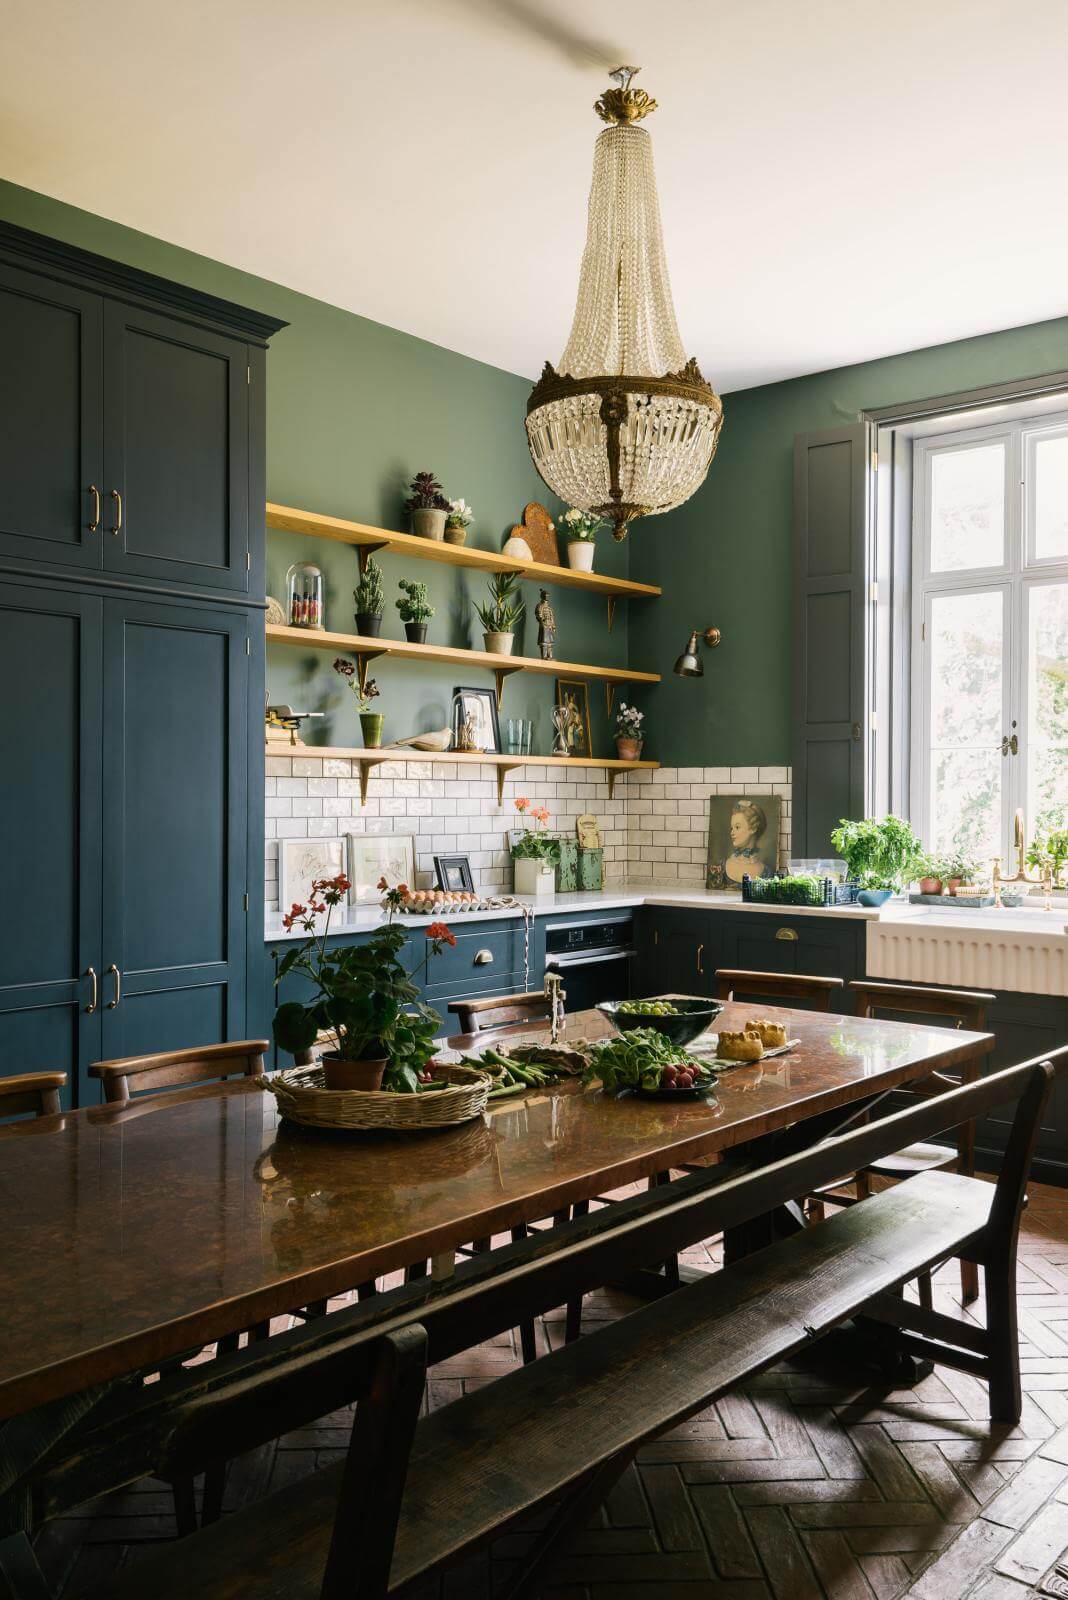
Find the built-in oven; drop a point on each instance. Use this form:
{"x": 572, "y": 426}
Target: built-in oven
{"x": 594, "y": 959}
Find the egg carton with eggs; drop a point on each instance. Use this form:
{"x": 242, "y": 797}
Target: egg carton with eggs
{"x": 452, "y": 902}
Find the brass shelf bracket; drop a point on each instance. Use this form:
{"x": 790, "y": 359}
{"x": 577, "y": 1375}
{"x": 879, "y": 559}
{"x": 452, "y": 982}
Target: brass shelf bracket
{"x": 367, "y": 765}
{"x": 364, "y": 552}
{"x": 502, "y": 773}
{"x": 361, "y": 667}
{"x": 611, "y": 611}
{"x": 610, "y": 695}
{"x": 500, "y": 673}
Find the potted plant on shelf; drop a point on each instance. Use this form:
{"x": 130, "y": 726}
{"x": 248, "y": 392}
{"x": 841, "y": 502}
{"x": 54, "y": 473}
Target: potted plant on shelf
{"x": 1050, "y": 855}
{"x": 534, "y": 853}
{"x": 958, "y": 868}
{"x": 370, "y": 597}
{"x": 931, "y": 872}
{"x": 629, "y": 734}
{"x": 501, "y": 612}
{"x": 363, "y": 997}
{"x": 582, "y": 528}
{"x": 415, "y": 609}
{"x": 881, "y": 854}
{"x": 457, "y": 521}
{"x": 371, "y": 722}
{"x": 426, "y": 507}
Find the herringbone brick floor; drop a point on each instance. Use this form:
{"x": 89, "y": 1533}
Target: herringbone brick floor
{"x": 805, "y": 1483}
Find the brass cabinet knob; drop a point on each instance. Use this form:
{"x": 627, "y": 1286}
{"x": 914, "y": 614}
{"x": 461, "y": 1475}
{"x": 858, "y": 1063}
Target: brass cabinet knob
{"x": 484, "y": 958}
{"x": 786, "y": 933}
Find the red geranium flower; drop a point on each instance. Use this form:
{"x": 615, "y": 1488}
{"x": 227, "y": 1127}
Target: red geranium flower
{"x": 440, "y": 933}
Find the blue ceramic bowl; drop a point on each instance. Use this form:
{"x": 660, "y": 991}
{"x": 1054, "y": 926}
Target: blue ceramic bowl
{"x": 873, "y": 897}
{"x": 693, "y": 1015}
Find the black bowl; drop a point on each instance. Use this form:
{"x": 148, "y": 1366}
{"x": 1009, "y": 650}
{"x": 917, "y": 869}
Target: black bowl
{"x": 693, "y": 1015}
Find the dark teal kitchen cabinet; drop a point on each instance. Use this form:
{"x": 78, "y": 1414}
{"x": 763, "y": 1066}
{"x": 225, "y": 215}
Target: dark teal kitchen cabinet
{"x": 825, "y": 947}
{"x": 678, "y": 951}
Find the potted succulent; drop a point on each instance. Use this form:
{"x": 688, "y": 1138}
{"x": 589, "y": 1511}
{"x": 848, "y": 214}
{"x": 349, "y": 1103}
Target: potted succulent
{"x": 371, "y": 722}
{"x": 534, "y": 853}
{"x": 362, "y": 996}
{"x": 370, "y": 597}
{"x": 881, "y": 854}
{"x": 501, "y": 612}
{"x": 415, "y": 609}
{"x": 582, "y": 528}
{"x": 629, "y": 734}
{"x": 426, "y": 507}
{"x": 457, "y": 521}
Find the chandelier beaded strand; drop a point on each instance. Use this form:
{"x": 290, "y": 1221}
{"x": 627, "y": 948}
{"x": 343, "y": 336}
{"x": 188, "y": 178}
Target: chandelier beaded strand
{"x": 625, "y": 426}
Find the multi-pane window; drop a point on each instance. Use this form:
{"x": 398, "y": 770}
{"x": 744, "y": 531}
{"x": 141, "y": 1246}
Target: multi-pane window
{"x": 990, "y": 635}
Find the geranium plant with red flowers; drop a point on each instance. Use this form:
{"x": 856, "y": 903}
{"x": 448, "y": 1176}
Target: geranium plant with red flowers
{"x": 362, "y": 994}
{"x": 534, "y": 843}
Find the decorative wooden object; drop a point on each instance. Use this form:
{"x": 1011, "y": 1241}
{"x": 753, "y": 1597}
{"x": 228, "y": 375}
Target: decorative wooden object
{"x": 539, "y": 530}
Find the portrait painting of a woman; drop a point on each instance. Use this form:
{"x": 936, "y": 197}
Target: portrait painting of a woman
{"x": 743, "y": 836}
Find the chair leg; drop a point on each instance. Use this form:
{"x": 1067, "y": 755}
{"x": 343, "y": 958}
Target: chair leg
{"x": 1006, "y": 1401}
{"x": 969, "y": 1271}
{"x": 185, "y": 1506}
{"x": 214, "y": 1489}
{"x": 570, "y": 1514}
{"x": 923, "y": 1283}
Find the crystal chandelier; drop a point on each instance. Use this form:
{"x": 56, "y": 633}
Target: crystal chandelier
{"x": 626, "y": 425}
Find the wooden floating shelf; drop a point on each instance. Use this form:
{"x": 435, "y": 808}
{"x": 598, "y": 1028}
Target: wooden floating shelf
{"x": 367, "y": 540}
{"x": 505, "y": 764}
{"x": 366, "y": 648}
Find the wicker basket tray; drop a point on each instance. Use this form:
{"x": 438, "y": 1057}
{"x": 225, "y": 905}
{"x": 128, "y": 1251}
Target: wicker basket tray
{"x": 302, "y": 1097}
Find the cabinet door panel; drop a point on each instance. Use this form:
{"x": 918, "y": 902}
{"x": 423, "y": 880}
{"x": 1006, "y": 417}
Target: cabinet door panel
{"x": 51, "y": 425}
{"x": 177, "y": 451}
{"x": 678, "y": 952}
{"x": 50, "y": 651}
{"x": 175, "y": 817}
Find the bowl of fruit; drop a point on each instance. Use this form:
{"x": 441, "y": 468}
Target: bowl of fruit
{"x": 679, "y": 1018}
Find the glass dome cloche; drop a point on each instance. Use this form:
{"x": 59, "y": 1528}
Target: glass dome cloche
{"x": 305, "y": 605}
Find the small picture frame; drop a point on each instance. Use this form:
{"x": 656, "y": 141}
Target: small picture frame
{"x": 577, "y": 692}
{"x": 374, "y": 856}
{"x": 301, "y": 862}
{"x": 481, "y": 705}
{"x": 453, "y": 873}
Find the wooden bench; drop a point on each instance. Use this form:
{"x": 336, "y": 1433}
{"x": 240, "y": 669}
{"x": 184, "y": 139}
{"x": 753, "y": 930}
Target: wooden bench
{"x": 415, "y": 1495}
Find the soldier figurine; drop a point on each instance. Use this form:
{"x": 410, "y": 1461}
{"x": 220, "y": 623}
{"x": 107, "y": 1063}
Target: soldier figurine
{"x": 546, "y": 619}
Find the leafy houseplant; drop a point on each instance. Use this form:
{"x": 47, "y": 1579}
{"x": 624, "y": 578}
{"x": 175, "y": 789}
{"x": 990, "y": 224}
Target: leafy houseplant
{"x": 958, "y": 868}
{"x": 426, "y": 506}
{"x": 882, "y": 854}
{"x": 457, "y": 521}
{"x": 415, "y": 609}
{"x": 629, "y": 732}
{"x": 583, "y": 528}
{"x": 1051, "y": 855}
{"x": 534, "y": 853}
{"x": 363, "y": 997}
{"x": 501, "y": 612}
{"x": 371, "y": 722}
{"x": 931, "y": 871}
{"x": 370, "y": 597}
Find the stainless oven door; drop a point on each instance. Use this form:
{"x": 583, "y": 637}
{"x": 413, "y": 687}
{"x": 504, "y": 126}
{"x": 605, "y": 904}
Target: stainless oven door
{"x": 591, "y": 976}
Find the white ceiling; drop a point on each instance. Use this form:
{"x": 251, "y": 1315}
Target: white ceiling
{"x": 837, "y": 181}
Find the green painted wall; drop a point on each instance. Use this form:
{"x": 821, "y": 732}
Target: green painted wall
{"x": 724, "y": 557}
{"x": 354, "y": 408}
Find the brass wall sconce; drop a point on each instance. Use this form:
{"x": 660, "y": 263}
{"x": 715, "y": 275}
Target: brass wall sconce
{"x": 689, "y": 663}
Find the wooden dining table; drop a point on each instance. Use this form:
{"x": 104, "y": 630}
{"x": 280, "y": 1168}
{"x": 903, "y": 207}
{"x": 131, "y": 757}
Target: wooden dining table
{"x": 133, "y": 1232}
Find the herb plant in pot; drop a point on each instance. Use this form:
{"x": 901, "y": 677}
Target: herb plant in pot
{"x": 534, "y": 853}
{"x": 426, "y": 506}
{"x": 582, "y": 528}
{"x": 371, "y": 722}
{"x": 882, "y": 855}
{"x": 501, "y": 612}
{"x": 629, "y": 734}
{"x": 931, "y": 873}
{"x": 415, "y": 609}
{"x": 370, "y": 597}
{"x": 958, "y": 868}
{"x": 457, "y": 521}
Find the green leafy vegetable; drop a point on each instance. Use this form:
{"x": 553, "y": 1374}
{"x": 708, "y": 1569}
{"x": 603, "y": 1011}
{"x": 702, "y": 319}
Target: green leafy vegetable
{"x": 636, "y": 1060}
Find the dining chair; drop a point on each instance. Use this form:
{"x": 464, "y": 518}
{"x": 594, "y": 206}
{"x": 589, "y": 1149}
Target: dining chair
{"x": 962, "y": 1009}
{"x": 179, "y": 1069}
{"x": 33, "y": 1093}
{"x": 783, "y": 986}
{"x": 501, "y": 1011}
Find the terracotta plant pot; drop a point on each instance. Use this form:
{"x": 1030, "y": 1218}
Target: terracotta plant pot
{"x": 369, "y": 623}
{"x": 580, "y": 555}
{"x": 953, "y": 884}
{"x": 930, "y": 886}
{"x": 365, "y": 1075}
{"x": 372, "y": 723}
{"x": 428, "y": 523}
{"x": 499, "y": 644}
{"x": 629, "y": 749}
{"x": 455, "y": 533}
{"x": 415, "y": 632}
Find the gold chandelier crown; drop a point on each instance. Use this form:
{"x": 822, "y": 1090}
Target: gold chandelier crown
{"x": 624, "y": 104}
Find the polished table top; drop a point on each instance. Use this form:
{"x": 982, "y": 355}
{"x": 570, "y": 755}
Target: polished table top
{"x": 133, "y": 1232}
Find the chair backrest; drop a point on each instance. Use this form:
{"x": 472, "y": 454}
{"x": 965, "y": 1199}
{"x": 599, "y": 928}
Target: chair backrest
{"x": 500, "y": 1011}
{"x": 965, "y": 1008}
{"x": 777, "y": 986}
{"x": 173, "y": 1069}
{"x": 36, "y": 1093}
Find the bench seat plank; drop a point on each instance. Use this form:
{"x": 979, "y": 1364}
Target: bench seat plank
{"x": 519, "y": 1442}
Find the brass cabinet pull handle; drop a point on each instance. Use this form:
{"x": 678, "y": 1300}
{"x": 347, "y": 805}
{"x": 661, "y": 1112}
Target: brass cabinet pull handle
{"x": 700, "y": 953}
{"x": 484, "y": 958}
{"x": 117, "y": 497}
{"x": 97, "y": 508}
{"x": 786, "y": 933}
{"x": 118, "y": 986}
{"x": 91, "y": 975}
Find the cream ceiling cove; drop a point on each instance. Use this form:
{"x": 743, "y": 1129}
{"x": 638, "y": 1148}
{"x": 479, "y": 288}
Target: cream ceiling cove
{"x": 626, "y": 425}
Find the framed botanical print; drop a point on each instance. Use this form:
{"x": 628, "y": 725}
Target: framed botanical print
{"x": 301, "y": 862}
{"x": 743, "y": 838}
{"x": 374, "y": 856}
{"x": 475, "y": 722}
{"x": 576, "y": 692}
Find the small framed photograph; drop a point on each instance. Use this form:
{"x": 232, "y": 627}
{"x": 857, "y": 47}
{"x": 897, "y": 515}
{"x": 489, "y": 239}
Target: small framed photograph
{"x": 301, "y": 862}
{"x": 373, "y": 856}
{"x": 454, "y": 873}
{"x": 743, "y": 838}
{"x": 576, "y": 692}
{"x": 476, "y": 711}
